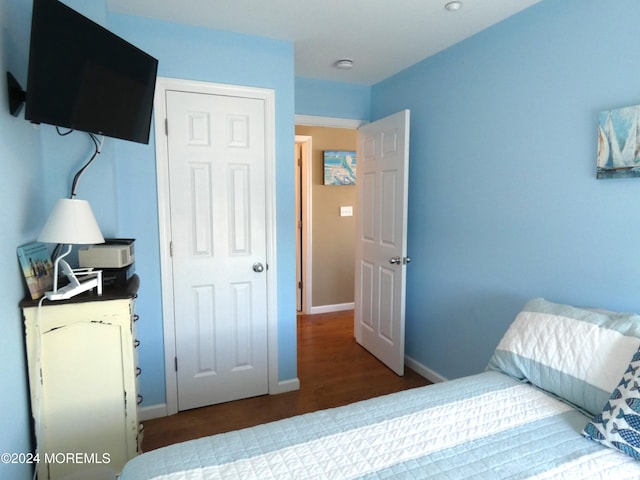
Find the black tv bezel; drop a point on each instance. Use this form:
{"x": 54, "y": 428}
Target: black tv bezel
{"x": 36, "y": 97}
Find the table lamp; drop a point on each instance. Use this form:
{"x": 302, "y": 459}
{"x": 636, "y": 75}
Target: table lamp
{"x": 72, "y": 222}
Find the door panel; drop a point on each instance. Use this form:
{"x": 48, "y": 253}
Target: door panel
{"x": 216, "y": 150}
{"x": 381, "y": 245}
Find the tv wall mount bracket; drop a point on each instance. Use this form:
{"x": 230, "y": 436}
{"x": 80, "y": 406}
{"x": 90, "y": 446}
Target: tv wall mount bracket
{"x": 17, "y": 95}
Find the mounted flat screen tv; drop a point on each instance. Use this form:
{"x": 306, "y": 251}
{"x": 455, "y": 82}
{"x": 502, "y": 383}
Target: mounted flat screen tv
{"x": 83, "y": 77}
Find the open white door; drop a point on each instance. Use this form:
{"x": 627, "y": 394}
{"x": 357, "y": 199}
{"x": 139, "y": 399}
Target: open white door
{"x": 381, "y": 238}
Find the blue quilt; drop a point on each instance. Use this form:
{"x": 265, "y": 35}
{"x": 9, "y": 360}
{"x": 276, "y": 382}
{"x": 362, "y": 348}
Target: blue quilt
{"x": 486, "y": 426}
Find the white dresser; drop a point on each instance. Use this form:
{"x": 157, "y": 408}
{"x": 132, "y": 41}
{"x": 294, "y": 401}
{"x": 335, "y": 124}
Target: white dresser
{"x": 82, "y": 360}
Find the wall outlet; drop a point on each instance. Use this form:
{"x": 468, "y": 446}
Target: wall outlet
{"x": 346, "y": 211}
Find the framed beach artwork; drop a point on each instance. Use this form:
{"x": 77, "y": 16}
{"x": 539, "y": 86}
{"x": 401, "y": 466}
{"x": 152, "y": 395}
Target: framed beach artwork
{"x": 339, "y": 167}
{"x": 619, "y": 143}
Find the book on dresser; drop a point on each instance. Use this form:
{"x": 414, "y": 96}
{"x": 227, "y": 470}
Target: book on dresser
{"x": 36, "y": 267}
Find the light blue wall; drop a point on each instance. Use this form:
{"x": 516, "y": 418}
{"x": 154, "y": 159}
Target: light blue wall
{"x": 221, "y": 57}
{"x": 504, "y": 204}
{"x": 63, "y": 156}
{"x": 503, "y": 200}
{"x": 38, "y": 166}
{"x": 22, "y": 217}
{"x": 332, "y": 99}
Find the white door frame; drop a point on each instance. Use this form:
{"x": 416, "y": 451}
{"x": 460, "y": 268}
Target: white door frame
{"x": 307, "y": 209}
{"x": 304, "y": 189}
{"x": 164, "y": 84}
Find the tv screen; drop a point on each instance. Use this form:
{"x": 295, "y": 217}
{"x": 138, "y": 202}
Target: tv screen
{"x": 83, "y": 77}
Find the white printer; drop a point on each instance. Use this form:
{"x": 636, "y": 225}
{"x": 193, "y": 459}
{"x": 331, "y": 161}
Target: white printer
{"x": 114, "y": 253}
{"x": 115, "y": 258}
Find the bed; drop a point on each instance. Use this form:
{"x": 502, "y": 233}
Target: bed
{"x": 560, "y": 399}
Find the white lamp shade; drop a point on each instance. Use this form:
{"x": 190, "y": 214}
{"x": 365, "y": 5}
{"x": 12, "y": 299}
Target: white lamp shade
{"x": 71, "y": 222}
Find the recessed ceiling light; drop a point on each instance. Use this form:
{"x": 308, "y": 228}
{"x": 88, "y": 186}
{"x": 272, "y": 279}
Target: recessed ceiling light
{"x": 453, "y": 6}
{"x": 344, "y": 64}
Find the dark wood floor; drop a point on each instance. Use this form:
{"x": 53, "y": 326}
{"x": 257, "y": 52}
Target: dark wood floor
{"x": 333, "y": 370}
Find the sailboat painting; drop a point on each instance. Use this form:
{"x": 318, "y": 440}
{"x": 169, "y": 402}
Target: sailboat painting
{"x": 619, "y": 143}
{"x": 339, "y": 167}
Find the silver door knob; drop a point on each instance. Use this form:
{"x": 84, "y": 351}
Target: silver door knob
{"x": 399, "y": 260}
{"x": 258, "y": 267}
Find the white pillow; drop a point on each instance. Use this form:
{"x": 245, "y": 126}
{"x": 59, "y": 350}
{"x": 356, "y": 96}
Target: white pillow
{"x": 576, "y": 354}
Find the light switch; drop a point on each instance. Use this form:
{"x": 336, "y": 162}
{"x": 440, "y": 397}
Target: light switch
{"x": 346, "y": 211}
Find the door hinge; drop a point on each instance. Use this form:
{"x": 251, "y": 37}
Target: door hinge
{"x": 300, "y": 285}
{"x": 175, "y": 362}
{"x": 166, "y": 127}
{"x": 171, "y": 248}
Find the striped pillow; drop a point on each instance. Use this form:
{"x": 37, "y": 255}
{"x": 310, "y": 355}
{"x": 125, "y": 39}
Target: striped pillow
{"x": 574, "y": 353}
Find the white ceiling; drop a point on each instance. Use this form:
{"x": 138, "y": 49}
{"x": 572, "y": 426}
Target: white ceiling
{"x": 381, "y": 36}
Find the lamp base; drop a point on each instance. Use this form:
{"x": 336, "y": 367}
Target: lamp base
{"x": 70, "y": 290}
{"x": 76, "y": 287}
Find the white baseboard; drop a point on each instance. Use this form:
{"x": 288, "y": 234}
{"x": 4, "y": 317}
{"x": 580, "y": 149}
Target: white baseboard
{"x": 286, "y": 386}
{"x": 160, "y": 410}
{"x": 152, "y": 411}
{"x": 339, "y": 307}
{"x": 424, "y": 371}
